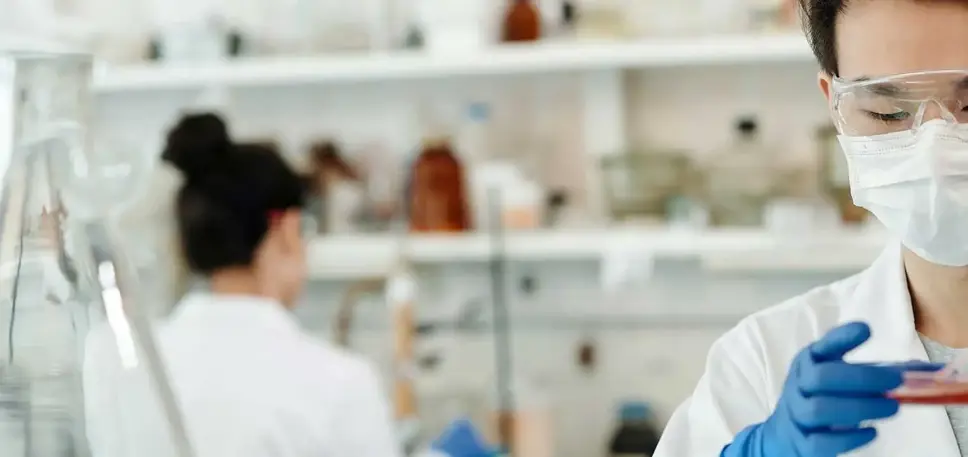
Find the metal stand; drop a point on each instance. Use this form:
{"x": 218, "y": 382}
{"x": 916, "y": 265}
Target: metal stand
{"x": 503, "y": 347}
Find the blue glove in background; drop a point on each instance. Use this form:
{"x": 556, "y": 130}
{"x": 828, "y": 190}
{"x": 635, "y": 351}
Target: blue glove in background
{"x": 461, "y": 439}
{"x": 824, "y": 401}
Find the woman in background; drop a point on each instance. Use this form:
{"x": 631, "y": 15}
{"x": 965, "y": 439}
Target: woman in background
{"x": 248, "y": 380}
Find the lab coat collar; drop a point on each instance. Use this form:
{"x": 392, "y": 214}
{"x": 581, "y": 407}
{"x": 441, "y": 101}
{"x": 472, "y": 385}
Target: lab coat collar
{"x": 238, "y": 310}
{"x": 882, "y": 300}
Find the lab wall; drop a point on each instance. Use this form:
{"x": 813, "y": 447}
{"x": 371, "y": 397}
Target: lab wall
{"x": 542, "y": 115}
{"x": 687, "y": 107}
{"x": 695, "y": 108}
{"x": 651, "y": 331}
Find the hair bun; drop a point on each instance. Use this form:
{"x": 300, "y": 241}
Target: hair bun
{"x": 197, "y": 143}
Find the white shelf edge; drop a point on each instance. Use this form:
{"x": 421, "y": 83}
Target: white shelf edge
{"x": 359, "y": 256}
{"x": 517, "y": 59}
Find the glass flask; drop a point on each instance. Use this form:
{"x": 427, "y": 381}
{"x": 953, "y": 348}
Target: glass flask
{"x": 740, "y": 179}
{"x": 62, "y": 282}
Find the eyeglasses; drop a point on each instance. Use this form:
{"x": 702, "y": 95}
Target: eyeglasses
{"x": 890, "y": 104}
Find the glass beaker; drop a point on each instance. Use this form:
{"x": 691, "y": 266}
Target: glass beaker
{"x": 61, "y": 278}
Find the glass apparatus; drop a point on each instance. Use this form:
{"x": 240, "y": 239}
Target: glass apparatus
{"x": 62, "y": 283}
{"x": 740, "y": 179}
{"x": 650, "y": 185}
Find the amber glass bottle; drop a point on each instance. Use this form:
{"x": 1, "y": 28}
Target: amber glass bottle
{"x": 522, "y": 22}
{"x": 438, "y": 193}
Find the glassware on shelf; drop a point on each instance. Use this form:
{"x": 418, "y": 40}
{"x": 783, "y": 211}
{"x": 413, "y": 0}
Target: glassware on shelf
{"x": 291, "y": 27}
{"x": 337, "y": 186}
{"x": 767, "y": 16}
{"x": 558, "y": 19}
{"x": 797, "y": 204}
{"x": 449, "y": 26}
{"x": 647, "y": 186}
{"x": 741, "y": 178}
{"x": 70, "y": 312}
{"x": 204, "y": 39}
{"x": 522, "y": 22}
{"x": 682, "y": 17}
{"x": 602, "y": 19}
{"x": 352, "y": 26}
{"x": 438, "y": 192}
{"x": 503, "y": 196}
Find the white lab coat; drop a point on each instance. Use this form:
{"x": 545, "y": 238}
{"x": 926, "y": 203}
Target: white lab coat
{"x": 248, "y": 381}
{"x": 747, "y": 366}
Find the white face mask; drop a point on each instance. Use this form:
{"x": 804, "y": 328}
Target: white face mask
{"x": 916, "y": 184}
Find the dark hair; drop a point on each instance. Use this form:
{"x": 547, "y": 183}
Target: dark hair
{"x": 230, "y": 190}
{"x": 819, "y": 18}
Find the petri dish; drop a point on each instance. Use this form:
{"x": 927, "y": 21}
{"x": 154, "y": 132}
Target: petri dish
{"x": 932, "y": 389}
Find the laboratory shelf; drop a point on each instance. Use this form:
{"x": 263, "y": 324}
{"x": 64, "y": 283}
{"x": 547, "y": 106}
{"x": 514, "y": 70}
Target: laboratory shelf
{"x": 358, "y": 256}
{"x": 508, "y": 59}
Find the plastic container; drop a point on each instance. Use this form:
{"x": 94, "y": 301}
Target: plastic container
{"x": 503, "y": 196}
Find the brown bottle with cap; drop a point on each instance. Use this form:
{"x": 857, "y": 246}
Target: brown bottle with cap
{"x": 522, "y": 22}
{"x": 438, "y": 200}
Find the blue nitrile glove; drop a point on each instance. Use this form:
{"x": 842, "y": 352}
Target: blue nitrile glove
{"x": 461, "y": 439}
{"x": 825, "y": 400}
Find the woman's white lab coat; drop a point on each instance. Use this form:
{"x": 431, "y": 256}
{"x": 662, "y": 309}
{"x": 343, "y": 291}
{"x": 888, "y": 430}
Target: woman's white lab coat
{"x": 249, "y": 382}
{"x": 746, "y": 368}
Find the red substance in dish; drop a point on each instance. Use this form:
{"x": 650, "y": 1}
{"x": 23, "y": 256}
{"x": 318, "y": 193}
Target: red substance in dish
{"x": 946, "y": 399}
{"x": 926, "y": 390}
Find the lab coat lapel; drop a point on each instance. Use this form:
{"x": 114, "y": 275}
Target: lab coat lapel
{"x": 882, "y": 300}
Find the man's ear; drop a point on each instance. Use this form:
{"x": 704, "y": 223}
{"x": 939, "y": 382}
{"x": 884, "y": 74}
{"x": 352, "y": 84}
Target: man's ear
{"x": 824, "y": 81}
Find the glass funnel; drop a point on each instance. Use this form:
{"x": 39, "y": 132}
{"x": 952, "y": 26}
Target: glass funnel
{"x": 64, "y": 288}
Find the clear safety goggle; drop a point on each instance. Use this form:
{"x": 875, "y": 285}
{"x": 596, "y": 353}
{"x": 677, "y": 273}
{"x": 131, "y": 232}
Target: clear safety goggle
{"x": 890, "y": 104}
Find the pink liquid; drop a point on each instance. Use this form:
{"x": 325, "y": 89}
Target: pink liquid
{"x": 930, "y": 389}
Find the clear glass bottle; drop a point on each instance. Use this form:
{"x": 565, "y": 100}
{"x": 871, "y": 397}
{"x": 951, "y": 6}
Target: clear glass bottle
{"x": 602, "y": 20}
{"x": 69, "y": 314}
{"x": 740, "y": 178}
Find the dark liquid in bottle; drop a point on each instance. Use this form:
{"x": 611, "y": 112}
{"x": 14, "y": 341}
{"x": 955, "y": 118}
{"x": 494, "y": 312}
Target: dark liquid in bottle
{"x": 438, "y": 202}
{"x": 523, "y": 22}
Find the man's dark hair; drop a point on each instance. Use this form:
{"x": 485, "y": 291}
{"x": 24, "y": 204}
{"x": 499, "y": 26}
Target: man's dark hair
{"x": 819, "y": 18}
